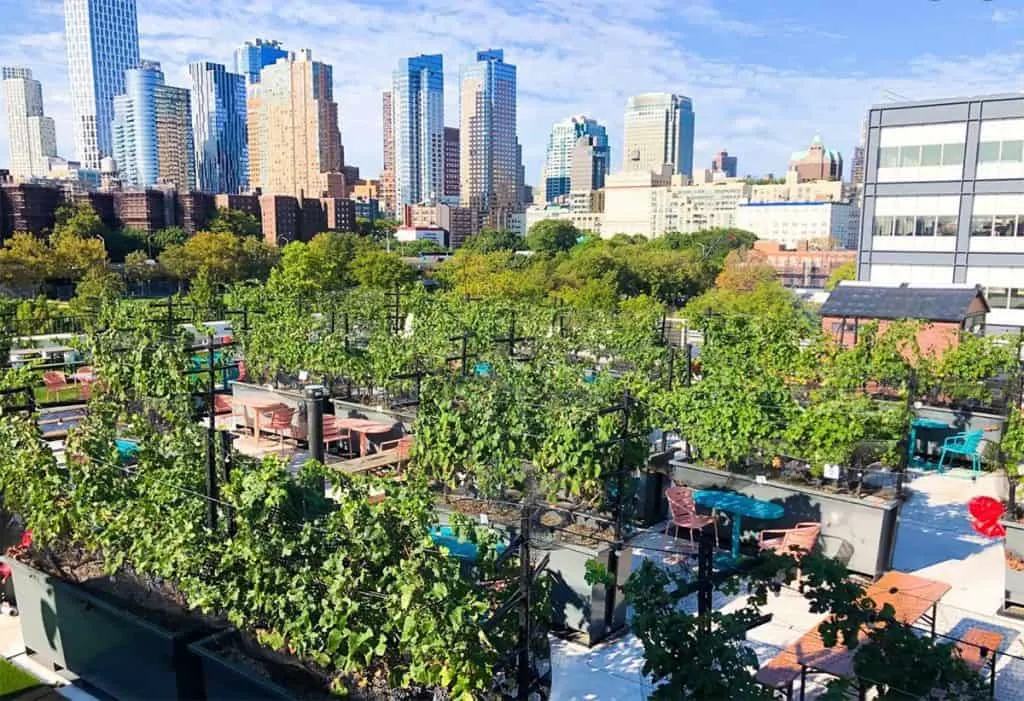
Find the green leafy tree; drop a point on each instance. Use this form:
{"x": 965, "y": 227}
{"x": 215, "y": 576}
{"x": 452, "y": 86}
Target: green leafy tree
{"x": 168, "y": 236}
{"x": 225, "y": 257}
{"x": 75, "y": 255}
{"x": 97, "y": 288}
{"x": 846, "y": 271}
{"x": 380, "y": 269}
{"x": 491, "y": 240}
{"x": 138, "y": 267}
{"x": 25, "y": 261}
{"x": 552, "y": 236}
{"x": 235, "y": 221}
{"x": 79, "y": 219}
{"x": 744, "y": 271}
{"x": 323, "y": 264}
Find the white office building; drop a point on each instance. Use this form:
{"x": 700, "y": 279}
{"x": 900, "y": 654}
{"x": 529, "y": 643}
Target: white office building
{"x": 102, "y": 39}
{"x": 658, "y": 132}
{"x": 31, "y": 134}
{"x": 944, "y": 198}
{"x": 790, "y": 223}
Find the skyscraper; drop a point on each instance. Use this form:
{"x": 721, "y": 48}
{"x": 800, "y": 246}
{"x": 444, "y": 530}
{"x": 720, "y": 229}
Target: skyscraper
{"x": 219, "y": 128}
{"x": 722, "y": 162}
{"x": 451, "y": 162}
{"x": 387, "y": 176}
{"x": 103, "y": 42}
{"x": 659, "y": 132}
{"x": 558, "y": 165}
{"x": 489, "y": 156}
{"x": 32, "y": 137}
{"x": 417, "y": 99}
{"x": 152, "y": 131}
{"x": 294, "y": 141}
{"x": 252, "y": 57}
{"x": 589, "y": 164}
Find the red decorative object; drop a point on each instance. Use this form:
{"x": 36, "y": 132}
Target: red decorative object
{"x": 26, "y": 539}
{"x": 985, "y": 514}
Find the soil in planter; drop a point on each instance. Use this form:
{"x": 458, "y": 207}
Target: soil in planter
{"x": 308, "y": 681}
{"x": 575, "y": 533}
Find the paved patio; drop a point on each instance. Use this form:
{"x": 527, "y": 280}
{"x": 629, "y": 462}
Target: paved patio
{"x": 934, "y": 540}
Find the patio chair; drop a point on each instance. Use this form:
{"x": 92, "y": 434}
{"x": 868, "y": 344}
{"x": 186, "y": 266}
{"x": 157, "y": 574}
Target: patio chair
{"x": 683, "y": 514}
{"x": 342, "y": 437}
{"x": 796, "y": 541}
{"x": 966, "y": 445}
{"x": 55, "y": 382}
{"x": 280, "y": 423}
{"x": 400, "y": 447}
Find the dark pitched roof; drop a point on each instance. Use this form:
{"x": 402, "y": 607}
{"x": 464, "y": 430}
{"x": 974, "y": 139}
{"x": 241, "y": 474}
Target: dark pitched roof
{"x": 930, "y": 304}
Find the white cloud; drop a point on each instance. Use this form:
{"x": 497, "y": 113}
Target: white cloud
{"x": 1002, "y": 15}
{"x": 575, "y": 56}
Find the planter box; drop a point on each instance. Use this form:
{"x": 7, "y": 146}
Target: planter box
{"x": 862, "y": 532}
{"x": 1013, "y": 591}
{"x": 80, "y": 635}
{"x": 223, "y": 679}
{"x": 592, "y": 611}
{"x": 965, "y": 420}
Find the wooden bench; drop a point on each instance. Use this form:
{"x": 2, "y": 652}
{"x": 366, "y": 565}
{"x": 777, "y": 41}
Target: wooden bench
{"x": 780, "y": 673}
{"x": 978, "y": 648}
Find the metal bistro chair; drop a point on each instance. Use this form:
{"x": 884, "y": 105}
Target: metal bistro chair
{"x": 683, "y": 514}
{"x": 967, "y": 445}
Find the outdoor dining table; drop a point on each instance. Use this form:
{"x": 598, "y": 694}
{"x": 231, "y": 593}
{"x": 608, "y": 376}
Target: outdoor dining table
{"x": 259, "y": 406}
{"x": 928, "y": 425}
{"x": 365, "y": 428}
{"x": 739, "y": 506}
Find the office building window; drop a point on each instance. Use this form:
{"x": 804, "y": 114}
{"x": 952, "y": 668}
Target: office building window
{"x": 998, "y": 297}
{"x": 931, "y": 155}
{"x": 981, "y": 226}
{"x": 988, "y": 152}
{"x": 945, "y": 226}
{"x": 998, "y": 225}
{"x": 927, "y": 155}
{"x": 919, "y": 225}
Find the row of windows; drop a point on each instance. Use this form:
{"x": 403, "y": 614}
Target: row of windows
{"x": 1001, "y": 152}
{"x": 1005, "y": 298}
{"x": 919, "y": 225}
{"x": 917, "y": 156}
{"x": 998, "y": 225}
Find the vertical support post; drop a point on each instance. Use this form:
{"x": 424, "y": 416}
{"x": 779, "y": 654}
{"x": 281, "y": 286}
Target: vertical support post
{"x": 344, "y": 321}
{"x": 314, "y": 395}
{"x": 226, "y": 464}
{"x": 905, "y": 445}
{"x": 705, "y": 562}
{"x": 689, "y": 363}
{"x": 512, "y": 335}
{"x": 620, "y": 478}
{"x": 671, "y": 367}
{"x": 465, "y": 355}
{"x": 524, "y": 665}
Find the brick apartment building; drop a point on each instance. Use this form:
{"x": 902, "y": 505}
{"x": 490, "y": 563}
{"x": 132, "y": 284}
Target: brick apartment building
{"x": 803, "y": 267}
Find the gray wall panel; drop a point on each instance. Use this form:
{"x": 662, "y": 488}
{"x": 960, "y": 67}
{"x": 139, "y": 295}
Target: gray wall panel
{"x": 934, "y": 114}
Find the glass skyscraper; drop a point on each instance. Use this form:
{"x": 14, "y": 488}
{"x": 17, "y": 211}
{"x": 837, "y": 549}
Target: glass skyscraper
{"x": 102, "y": 39}
{"x": 152, "y": 131}
{"x": 417, "y": 103}
{"x": 489, "y": 150}
{"x": 253, "y": 57}
{"x": 558, "y": 164}
{"x": 219, "y": 128}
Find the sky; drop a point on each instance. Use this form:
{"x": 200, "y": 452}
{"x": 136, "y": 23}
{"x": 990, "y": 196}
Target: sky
{"x": 765, "y": 77}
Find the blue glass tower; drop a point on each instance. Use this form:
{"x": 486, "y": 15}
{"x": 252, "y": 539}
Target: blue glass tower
{"x": 558, "y": 164}
{"x": 253, "y": 57}
{"x": 417, "y": 103}
{"x": 219, "y": 128}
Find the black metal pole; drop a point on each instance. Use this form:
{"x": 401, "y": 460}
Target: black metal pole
{"x": 465, "y": 354}
{"x": 705, "y": 561}
{"x": 671, "y": 366}
{"x": 525, "y": 671}
{"x": 512, "y": 335}
{"x": 620, "y": 478}
{"x": 315, "y": 421}
{"x": 689, "y": 364}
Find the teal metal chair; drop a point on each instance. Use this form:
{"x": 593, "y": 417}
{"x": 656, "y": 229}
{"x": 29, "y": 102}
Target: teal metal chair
{"x": 966, "y": 445}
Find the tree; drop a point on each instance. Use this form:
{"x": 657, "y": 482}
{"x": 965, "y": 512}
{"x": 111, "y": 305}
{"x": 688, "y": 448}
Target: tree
{"x": 79, "y": 219}
{"x": 74, "y": 255}
{"x": 168, "y": 236}
{"x": 744, "y": 271}
{"x": 122, "y": 242}
{"x": 235, "y": 221}
{"x": 491, "y": 240}
{"x": 322, "y": 264}
{"x": 420, "y": 247}
{"x": 219, "y": 254}
{"x": 552, "y": 236}
{"x": 376, "y": 268}
{"x": 846, "y": 271}
{"x": 97, "y": 287}
{"x": 25, "y": 261}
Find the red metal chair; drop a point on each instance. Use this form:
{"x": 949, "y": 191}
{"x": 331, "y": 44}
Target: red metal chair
{"x": 796, "y": 541}
{"x": 280, "y": 423}
{"x": 55, "y": 382}
{"x": 683, "y": 514}
{"x": 340, "y": 436}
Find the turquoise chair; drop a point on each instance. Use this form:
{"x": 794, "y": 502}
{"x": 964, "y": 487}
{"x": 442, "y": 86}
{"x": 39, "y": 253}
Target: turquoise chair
{"x": 967, "y": 444}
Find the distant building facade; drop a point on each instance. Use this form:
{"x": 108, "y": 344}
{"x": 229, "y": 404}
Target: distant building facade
{"x": 659, "y": 129}
{"x": 31, "y": 134}
{"x": 253, "y": 56}
{"x": 817, "y": 162}
{"x": 219, "y": 128}
{"x": 451, "y": 164}
{"x": 725, "y": 164}
{"x": 791, "y": 223}
{"x": 558, "y": 165}
{"x": 387, "y": 176}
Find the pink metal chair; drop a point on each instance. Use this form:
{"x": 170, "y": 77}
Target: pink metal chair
{"x": 340, "y": 436}
{"x": 55, "y": 382}
{"x": 796, "y": 541}
{"x": 280, "y": 423}
{"x": 683, "y": 514}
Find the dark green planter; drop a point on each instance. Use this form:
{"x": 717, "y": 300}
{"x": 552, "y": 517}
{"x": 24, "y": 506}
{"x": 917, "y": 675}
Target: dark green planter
{"x": 591, "y": 612}
{"x": 1013, "y": 591}
{"x": 80, "y": 635}
{"x": 224, "y": 679}
{"x": 861, "y": 532}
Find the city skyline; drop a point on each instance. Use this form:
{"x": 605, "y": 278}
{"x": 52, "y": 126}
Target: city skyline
{"x": 757, "y": 94}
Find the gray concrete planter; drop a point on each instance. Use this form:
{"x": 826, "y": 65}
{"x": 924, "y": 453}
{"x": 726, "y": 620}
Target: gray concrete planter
{"x": 861, "y": 532}
{"x": 224, "y": 679}
{"x": 1013, "y": 596}
{"x": 80, "y": 635}
{"x": 965, "y": 420}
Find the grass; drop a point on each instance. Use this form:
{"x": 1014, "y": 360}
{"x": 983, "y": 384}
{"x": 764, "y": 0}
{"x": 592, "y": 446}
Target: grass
{"x": 13, "y": 679}
{"x": 42, "y": 395}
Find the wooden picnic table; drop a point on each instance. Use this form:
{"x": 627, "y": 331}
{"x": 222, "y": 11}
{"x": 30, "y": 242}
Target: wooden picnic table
{"x": 365, "y": 428}
{"x": 912, "y": 599}
{"x": 259, "y": 405}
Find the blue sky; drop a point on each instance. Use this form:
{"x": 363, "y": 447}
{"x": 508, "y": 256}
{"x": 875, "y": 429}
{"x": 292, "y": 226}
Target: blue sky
{"x": 765, "y": 76}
